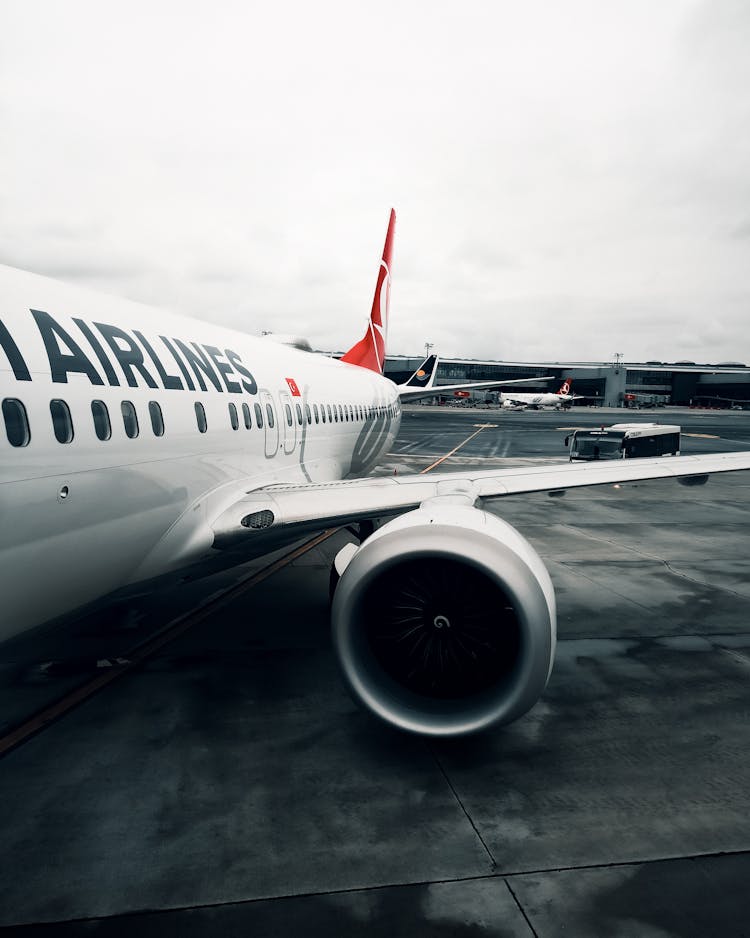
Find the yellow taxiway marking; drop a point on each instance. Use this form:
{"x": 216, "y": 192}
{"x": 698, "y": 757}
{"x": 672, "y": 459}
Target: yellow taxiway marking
{"x": 482, "y": 426}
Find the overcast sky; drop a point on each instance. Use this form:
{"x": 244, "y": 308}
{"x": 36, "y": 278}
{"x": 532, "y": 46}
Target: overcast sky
{"x": 572, "y": 179}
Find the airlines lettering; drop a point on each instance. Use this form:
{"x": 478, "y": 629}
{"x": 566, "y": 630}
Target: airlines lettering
{"x": 142, "y": 362}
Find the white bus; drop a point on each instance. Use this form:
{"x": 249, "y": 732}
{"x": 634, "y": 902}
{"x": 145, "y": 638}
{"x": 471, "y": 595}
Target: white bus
{"x": 624, "y": 441}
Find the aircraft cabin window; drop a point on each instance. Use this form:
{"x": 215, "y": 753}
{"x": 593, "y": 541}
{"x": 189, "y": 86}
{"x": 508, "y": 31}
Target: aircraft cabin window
{"x": 16, "y": 422}
{"x": 157, "y": 418}
{"x": 233, "y": 418}
{"x": 129, "y": 419}
{"x": 269, "y": 414}
{"x": 62, "y": 422}
{"x": 308, "y": 414}
{"x": 246, "y": 416}
{"x": 299, "y": 414}
{"x": 341, "y": 413}
{"x": 258, "y": 416}
{"x": 102, "y": 425}
{"x": 315, "y": 412}
{"x": 200, "y": 416}
{"x": 288, "y": 410}
{"x": 323, "y": 412}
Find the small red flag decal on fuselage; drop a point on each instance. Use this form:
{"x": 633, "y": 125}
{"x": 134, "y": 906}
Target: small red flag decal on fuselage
{"x": 293, "y": 387}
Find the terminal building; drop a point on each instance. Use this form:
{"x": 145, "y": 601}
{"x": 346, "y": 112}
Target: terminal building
{"x": 610, "y": 384}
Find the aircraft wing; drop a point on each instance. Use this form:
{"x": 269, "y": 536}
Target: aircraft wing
{"x": 282, "y": 510}
{"x": 407, "y": 393}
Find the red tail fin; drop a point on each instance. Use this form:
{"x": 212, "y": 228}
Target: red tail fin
{"x": 369, "y": 352}
{"x": 565, "y": 389}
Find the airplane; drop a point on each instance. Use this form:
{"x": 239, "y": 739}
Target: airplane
{"x": 140, "y": 447}
{"x": 557, "y": 399}
{"x": 422, "y": 383}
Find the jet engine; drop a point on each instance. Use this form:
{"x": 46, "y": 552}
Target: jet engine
{"x": 444, "y": 621}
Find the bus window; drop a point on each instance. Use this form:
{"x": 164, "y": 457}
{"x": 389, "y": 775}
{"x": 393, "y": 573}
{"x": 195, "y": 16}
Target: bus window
{"x": 16, "y": 422}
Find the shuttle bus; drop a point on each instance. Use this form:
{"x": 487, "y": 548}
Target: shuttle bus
{"x": 624, "y": 441}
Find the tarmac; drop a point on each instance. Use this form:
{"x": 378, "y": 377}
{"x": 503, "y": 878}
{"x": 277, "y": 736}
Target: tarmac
{"x": 229, "y": 785}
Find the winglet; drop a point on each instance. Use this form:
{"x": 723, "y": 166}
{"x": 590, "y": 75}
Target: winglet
{"x": 369, "y": 352}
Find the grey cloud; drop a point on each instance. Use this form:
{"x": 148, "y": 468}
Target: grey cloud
{"x": 62, "y": 268}
{"x": 562, "y": 192}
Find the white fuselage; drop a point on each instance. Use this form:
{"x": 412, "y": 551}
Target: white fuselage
{"x": 546, "y": 399}
{"x": 81, "y": 519}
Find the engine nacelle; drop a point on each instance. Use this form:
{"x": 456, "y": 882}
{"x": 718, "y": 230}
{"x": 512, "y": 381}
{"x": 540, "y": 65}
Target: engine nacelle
{"x": 444, "y": 621}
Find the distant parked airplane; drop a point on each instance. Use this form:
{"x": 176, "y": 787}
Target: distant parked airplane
{"x": 421, "y": 384}
{"x": 557, "y": 399}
